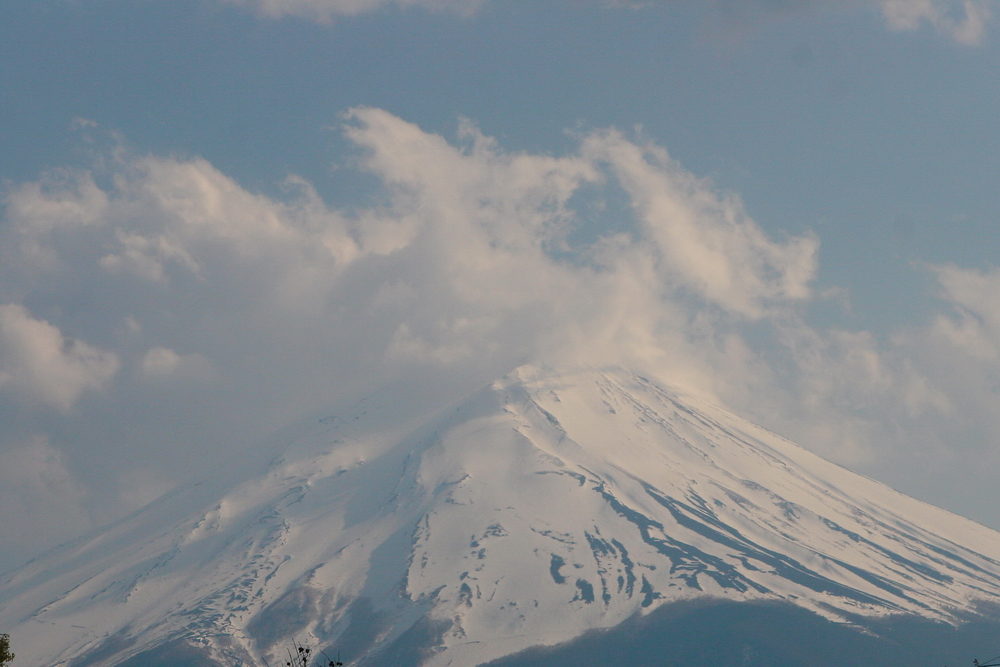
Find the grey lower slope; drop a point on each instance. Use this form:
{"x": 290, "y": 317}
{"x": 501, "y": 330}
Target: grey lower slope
{"x": 687, "y": 634}
{"x": 177, "y": 653}
{"x": 768, "y": 634}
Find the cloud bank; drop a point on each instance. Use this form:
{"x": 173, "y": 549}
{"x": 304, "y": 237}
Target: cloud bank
{"x": 964, "y": 21}
{"x": 471, "y": 260}
{"x": 157, "y": 315}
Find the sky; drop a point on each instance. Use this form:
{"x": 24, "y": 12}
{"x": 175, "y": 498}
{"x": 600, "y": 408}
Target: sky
{"x": 220, "y": 217}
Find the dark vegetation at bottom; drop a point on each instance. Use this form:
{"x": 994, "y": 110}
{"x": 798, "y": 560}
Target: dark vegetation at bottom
{"x": 766, "y": 635}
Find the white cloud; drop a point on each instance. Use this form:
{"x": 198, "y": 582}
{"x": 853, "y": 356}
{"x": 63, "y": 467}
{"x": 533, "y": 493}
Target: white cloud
{"x": 40, "y": 365}
{"x": 235, "y": 311}
{"x": 703, "y": 240}
{"x": 472, "y": 265}
{"x": 146, "y": 257}
{"x": 325, "y": 11}
{"x": 479, "y": 234}
{"x": 186, "y": 219}
{"x": 965, "y": 21}
{"x": 64, "y": 198}
{"x": 64, "y": 202}
{"x": 161, "y": 364}
{"x": 960, "y": 349}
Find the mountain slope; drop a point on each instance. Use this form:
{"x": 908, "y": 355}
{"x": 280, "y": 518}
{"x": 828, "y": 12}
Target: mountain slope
{"x": 542, "y": 506}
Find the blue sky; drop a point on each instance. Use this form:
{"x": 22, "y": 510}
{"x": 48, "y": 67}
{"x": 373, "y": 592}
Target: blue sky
{"x": 820, "y": 119}
{"x": 218, "y": 216}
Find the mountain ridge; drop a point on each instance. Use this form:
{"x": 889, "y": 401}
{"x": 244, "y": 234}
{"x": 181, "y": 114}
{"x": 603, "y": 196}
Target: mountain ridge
{"x": 544, "y": 505}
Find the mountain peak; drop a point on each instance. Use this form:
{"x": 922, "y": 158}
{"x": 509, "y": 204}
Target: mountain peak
{"x": 544, "y": 505}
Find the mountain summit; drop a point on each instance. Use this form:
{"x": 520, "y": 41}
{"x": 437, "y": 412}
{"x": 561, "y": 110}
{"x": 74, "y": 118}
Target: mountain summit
{"x": 543, "y": 506}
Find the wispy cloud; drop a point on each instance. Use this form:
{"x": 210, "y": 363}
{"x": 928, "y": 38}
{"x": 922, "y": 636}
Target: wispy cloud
{"x": 965, "y": 21}
{"x": 325, "y": 11}
{"x": 41, "y": 500}
{"x": 40, "y": 365}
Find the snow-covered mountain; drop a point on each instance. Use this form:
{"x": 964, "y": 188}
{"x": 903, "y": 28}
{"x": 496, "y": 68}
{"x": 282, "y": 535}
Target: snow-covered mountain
{"x": 540, "y": 507}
